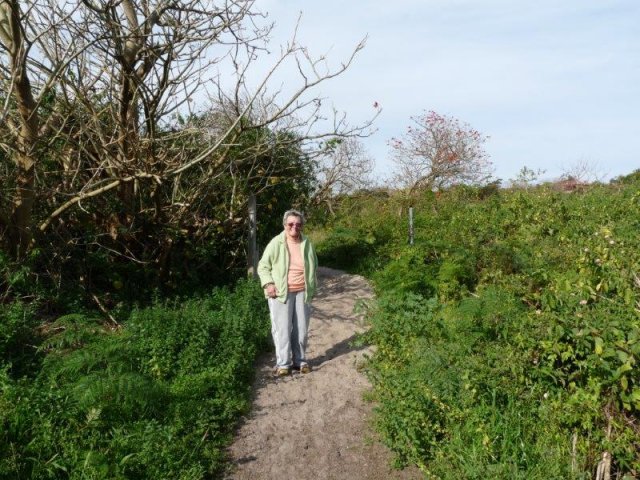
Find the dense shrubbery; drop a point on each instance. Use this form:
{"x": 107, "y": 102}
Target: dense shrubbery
{"x": 155, "y": 399}
{"x": 509, "y": 335}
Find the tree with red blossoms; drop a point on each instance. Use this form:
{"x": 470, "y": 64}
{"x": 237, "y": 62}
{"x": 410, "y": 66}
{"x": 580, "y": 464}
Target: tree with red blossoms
{"x": 438, "y": 151}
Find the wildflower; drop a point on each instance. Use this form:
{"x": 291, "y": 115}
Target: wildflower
{"x": 583, "y": 302}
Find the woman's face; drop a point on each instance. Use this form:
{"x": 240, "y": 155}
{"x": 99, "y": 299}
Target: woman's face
{"x": 293, "y": 226}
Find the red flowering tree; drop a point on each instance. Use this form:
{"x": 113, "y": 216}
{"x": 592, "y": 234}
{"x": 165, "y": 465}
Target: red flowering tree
{"x": 438, "y": 151}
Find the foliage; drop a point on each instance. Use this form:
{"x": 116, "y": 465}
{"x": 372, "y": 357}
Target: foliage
{"x": 362, "y": 227}
{"x": 346, "y": 249}
{"x": 77, "y": 262}
{"x": 508, "y": 336}
{"x": 155, "y": 399}
{"x": 19, "y": 303}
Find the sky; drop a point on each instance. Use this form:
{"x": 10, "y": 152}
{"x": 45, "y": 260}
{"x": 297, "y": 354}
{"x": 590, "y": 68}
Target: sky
{"x": 554, "y": 84}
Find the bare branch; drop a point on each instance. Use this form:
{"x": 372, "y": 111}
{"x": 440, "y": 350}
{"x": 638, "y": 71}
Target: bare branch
{"x": 118, "y": 114}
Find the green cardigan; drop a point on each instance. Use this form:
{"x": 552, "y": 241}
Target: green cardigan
{"x": 274, "y": 266}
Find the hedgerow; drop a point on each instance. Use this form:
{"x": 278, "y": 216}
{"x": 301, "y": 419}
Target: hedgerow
{"x": 508, "y": 334}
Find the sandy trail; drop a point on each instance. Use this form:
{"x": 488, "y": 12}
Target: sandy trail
{"x": 315, "y": 426}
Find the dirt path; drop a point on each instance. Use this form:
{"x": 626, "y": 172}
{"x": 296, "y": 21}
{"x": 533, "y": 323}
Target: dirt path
{"x": 315, "y": 426}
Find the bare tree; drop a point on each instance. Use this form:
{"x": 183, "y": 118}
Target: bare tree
{"x": 343, "y": 168}
{"x": 438, "y": 151}
{"x": 100, "y": 104}
{"x": 582, "y": 171}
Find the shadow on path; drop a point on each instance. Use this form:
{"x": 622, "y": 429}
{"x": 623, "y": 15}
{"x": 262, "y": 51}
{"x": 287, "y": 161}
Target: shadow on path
{"x": 341, "y": 348}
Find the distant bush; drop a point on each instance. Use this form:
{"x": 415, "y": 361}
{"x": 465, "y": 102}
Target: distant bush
{"x": 347, "y": 248}
{"x": 630, "y": 179}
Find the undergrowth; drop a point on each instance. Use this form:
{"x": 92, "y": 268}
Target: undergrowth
{"x": 157, "y": 398}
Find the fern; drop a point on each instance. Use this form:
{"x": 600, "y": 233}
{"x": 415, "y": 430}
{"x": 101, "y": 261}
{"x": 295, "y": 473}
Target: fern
{"x": 121, "y": 397}
{"x": 70, "y": 332}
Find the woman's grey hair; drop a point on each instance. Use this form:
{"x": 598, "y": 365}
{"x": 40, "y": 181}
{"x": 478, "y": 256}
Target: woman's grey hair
{"x": 292, "y": 213}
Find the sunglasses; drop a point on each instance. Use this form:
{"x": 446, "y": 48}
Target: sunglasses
{"x": 291, "y": 225}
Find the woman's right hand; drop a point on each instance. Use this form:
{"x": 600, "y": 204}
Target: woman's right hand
{"x": 271, "y": 291}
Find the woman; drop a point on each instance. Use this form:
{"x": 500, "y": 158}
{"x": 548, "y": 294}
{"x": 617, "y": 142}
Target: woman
{"x": 287, "y": 272}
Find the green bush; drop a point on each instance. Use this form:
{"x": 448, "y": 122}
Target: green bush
{"x": 348, "y": 249}
{"x": 411, "y": 271}
{"x": 17, "y": 323}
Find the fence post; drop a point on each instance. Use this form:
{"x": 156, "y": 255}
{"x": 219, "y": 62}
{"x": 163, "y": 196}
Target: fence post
{"x": 252, "y": 249}
{"x": 410, "y": 225}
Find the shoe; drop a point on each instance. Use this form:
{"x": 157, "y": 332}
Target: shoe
{"x": 281, "y": 371}
{"x": 305, "y": 368}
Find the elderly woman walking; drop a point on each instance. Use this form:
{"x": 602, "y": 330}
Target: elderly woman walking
{"x": 287, "y": 272}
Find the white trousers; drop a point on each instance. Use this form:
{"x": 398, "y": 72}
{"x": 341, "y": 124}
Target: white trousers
{"x": 289, "y": 327}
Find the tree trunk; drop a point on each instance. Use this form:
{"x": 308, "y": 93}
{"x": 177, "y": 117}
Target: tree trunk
{"x": 20, "y": 222}
{"x": 20, "y": 219}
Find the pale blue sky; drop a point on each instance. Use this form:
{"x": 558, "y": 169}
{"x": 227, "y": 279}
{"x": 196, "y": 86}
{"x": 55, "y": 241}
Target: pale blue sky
{"x": 553, "y": 83}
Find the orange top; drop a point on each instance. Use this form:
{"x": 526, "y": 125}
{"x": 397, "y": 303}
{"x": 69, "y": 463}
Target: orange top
{"x": 295, "y": 276}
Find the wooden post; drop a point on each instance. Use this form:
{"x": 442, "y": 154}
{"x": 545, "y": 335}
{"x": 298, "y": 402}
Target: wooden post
{"x": 574, "y": 445}
{"x": 410, "y": 225}
{"x": 252, "y": 249}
